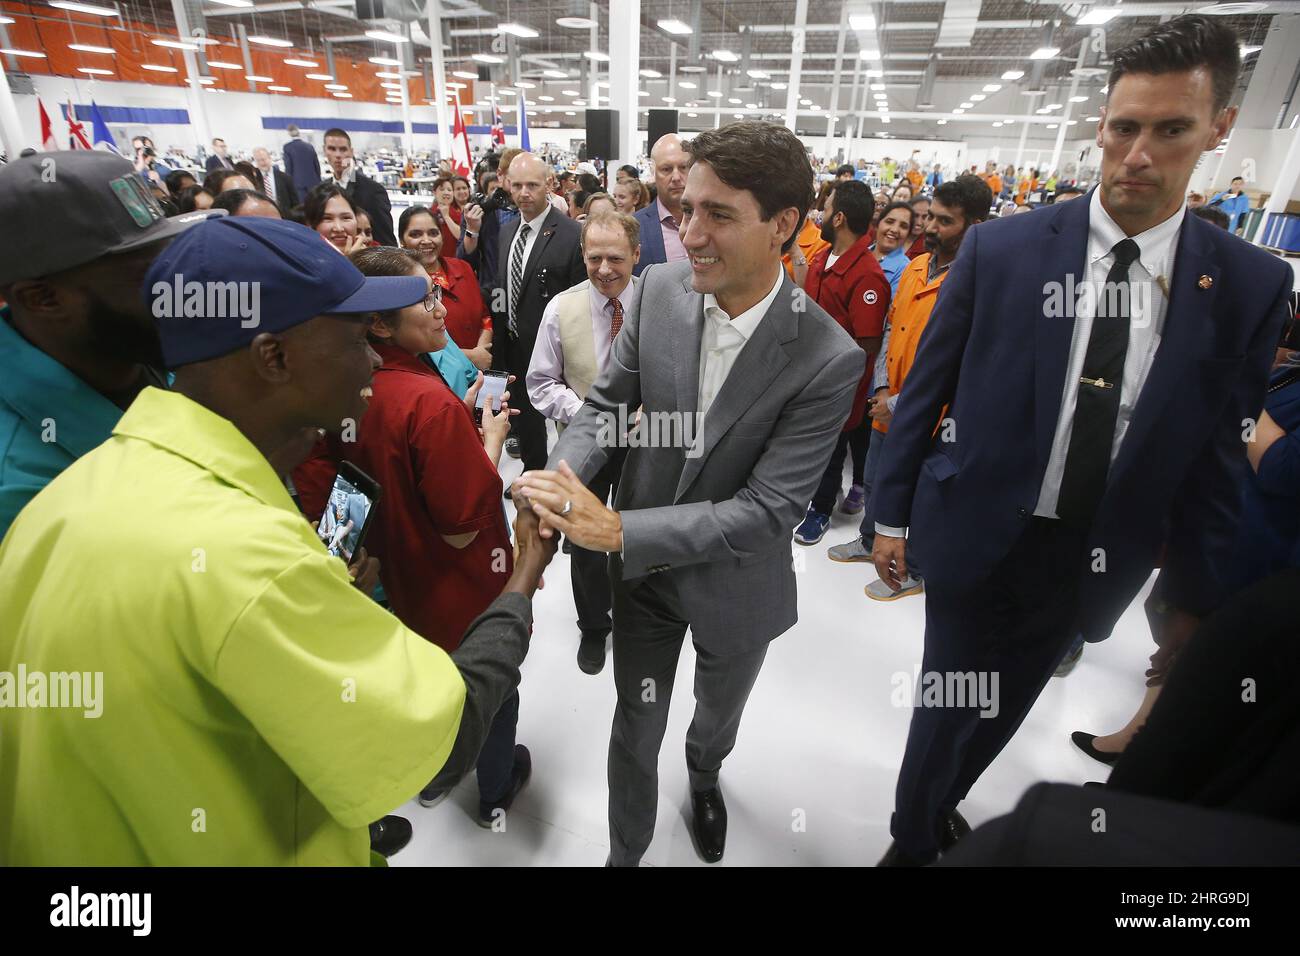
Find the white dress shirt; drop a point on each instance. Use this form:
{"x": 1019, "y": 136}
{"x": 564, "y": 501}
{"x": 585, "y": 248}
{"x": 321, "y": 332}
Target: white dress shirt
{"x": 722, "y": 341}
{"x": 268, "y": 183}
{"x": 547, "y": 388}
{"x": 531, "y": 240}
{"x": 1148, "y": 277}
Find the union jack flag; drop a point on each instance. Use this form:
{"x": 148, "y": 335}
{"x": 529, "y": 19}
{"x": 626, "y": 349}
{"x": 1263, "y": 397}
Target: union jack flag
{"x": 498, "y": 127}
{"x": 77, "y": 138}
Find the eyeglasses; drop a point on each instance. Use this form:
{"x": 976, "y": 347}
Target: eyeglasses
{"x": 433, "y": 299}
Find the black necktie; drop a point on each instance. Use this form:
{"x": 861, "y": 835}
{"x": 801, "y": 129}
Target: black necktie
{"x": 1093, "y": 433}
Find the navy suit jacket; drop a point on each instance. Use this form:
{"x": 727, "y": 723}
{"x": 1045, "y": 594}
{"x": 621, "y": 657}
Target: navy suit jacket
{"x": 652, "y": 238}
{"x": 992, "y": 356}
{"x": 303, "y": 166}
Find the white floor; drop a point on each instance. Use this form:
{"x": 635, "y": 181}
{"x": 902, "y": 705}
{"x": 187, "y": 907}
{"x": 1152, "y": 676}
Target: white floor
{"x": 811, "y": 780}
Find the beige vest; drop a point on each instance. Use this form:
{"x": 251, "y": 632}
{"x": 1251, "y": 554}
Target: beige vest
{"x": 573, "y": 318}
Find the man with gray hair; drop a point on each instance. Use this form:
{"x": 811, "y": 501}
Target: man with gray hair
{"x": 276, "y": 183}
{"x": 301, "y": 163}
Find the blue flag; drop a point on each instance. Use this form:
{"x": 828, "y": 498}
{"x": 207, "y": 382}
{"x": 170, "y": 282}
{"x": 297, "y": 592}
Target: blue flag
{"x": 523, "y": 124}
{"x": 100, "y": 136}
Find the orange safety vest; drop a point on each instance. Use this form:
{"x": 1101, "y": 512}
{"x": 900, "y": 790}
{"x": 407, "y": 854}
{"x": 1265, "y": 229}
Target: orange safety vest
{"x": 909, "y": 313}
{"x": 809, "y": 241}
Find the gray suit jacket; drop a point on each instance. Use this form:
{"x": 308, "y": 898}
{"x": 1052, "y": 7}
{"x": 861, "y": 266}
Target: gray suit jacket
{"x": 719, "y": 519}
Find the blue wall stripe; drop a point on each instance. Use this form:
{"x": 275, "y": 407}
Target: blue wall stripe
{"x": 364, "y": 125}
{"x": 132, "y": 114}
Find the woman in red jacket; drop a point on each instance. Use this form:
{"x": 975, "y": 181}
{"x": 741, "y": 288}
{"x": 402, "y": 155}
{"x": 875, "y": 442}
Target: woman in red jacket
{"x": 439, "y": 530}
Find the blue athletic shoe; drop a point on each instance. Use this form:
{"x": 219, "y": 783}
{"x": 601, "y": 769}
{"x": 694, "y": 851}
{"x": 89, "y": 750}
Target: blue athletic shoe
{"x": 813, "y": 528}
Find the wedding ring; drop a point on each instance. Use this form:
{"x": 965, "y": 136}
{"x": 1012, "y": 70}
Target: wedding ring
{"x": 568, "y": 506}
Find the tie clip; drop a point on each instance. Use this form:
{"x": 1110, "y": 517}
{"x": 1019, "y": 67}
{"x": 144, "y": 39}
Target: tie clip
{"x": 1099, "y": 382}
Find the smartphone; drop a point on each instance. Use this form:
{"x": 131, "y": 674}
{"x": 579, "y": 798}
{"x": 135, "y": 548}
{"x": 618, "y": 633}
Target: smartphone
{"x": 349, "y": 512}
{"x": 494, "y": 386}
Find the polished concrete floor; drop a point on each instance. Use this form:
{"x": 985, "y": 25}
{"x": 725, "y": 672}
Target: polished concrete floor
{"x": 811, "y": 780}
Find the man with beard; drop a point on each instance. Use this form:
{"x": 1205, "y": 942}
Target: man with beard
{"x": 76, "y": 342}
{"x": 847, "y": 281}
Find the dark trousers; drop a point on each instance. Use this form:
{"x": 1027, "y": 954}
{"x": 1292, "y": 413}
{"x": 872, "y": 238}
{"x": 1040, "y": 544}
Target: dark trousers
{"x": 1015, "y": 626}
{"x": 528, "y": 427}
{"x": 589, "y": 570}
{"x": 859, "y": 441}
{"x": 855, "y": 443}
{"x": 496, "y": 760}
{"x": 649, "y": 627}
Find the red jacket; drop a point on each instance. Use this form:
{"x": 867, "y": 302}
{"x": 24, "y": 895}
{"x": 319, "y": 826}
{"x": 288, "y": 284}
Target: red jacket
{"x": 855, "y": 292}
{"x": 419, "y": 442}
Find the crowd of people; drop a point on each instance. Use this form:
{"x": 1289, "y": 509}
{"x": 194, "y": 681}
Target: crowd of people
{"x": 712, "y": 348}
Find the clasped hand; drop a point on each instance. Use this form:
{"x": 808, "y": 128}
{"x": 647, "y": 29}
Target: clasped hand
{"x": 563, "y": 503}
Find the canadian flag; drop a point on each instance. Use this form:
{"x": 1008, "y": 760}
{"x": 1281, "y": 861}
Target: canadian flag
{"x": 460, "y": 155}
{"x": 77, "y": 131}
{"x": 49, "y": 143}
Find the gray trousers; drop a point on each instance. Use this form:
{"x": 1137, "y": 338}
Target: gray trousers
{"x": 649, "y": 627}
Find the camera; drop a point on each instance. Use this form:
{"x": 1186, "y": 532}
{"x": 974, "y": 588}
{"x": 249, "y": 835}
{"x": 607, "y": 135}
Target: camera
{"x": 500, "y": 199}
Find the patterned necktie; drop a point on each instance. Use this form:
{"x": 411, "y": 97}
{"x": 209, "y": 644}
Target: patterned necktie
{"x": 617, "y": 323}
{"x": 1092, "y": 433}
{"x": 517, "y": 274}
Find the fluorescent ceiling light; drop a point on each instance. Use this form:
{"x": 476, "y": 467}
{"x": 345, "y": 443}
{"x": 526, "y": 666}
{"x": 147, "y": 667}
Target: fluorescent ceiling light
{"x": 997, "y": 123}
{"x": 670, "y": 99}
{"x": 1091, "y": 119}
{"x": 579, "y": 102}
{"x": 690, "y": 69}
{"x": 1098, "y": 15}
{"x": 942, "y": 123}
{"x": 1071, "y": 122}
{"x": 385, "y": 35}
{"x": 757, "y": 74}
{"x": 388, "y": 75}
{"x": 959, "y": 111}
{"x": 254, "y": 78}
{"x": 575, "y": 23}
{"x": 269, "y": 41}
{"x": 569, "y": 93}
{"x": 234, "y": 3}
{"x": 1053, "y": 125}
{"x": 977, "y": 97}
{"x": 279, "y": 89}
{"x": 878, "y": 96}
{"x": 738, "y": 115}
{"x": 517, "y": 29}
{"x": 875, "y": 73}
{"x": 1013, "y": 74}
{"x": 555, "y": 74}
{"x": 675, "y": 26}
{"x": 1078, "y": 99}
{"x": 804, "y": 102}
{"x": 878, "y": 86}
{"x": 342, "y": 96}
{"x": 862, "y": 22}
{"x": 725, "y": 56}
{"x": 87, "y": 48}
{"x": 570, "y": 113}
{"x": 457, "y": 86}
{"x": 716, "y": 94}
{"x": 93, "y": 71}
{"x": 175, "y": 45}
{"x": 219, "y": 65}
{"x": 465, "y": 74}
{"x": 868, "y": 54}
{"x": 1042, "y": 112}
{"x": 525, "y": 85}
{"x": 156, "y": 68}
{"x": 651, "y": 74}
{"x": 390, "y": 86}
{"x": 1053, "y": 106}
{"x": 686, "y": 85}
{"x": 295, "y": 62}
{"x": 734, "y": 101}
{"x": 596, "y": 55}
{"x": 968, "y": 105}
{"x": 4, "y": 20}
{"x": 778, "y": 86}
{"x": 84, "y": 8}
{"x": 1045, "y": 53}
{"x": 884, "y": 119}
{"x": 692, "y": 115}
{"x": 508, "y": 92}
{"x": 814, "y": 107}
{"x": 385, "y": 61}
{"x": 992, "y": 87}
{"x": 336, "y": 86}
{"x": 547, "y": 99}
{"x": 314, "y": 76}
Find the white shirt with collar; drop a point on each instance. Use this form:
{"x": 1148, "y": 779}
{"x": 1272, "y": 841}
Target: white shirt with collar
{"x": 723, "y": 339}
{"x": 268, "y": 183}
{"x": 1148, "y": 307}
{"x": 1149, "y": 276}
{"x": 529, "y": 241}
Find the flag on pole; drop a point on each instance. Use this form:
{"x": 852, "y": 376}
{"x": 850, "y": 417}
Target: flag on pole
{"x": 460, "y": 155}
{"x": 100, "y": 135}
{"x": 498, "y": 126}
{"x": 523, "y": 124}
{"x": 49, "y": 143}
{"x": 76, "y": 131}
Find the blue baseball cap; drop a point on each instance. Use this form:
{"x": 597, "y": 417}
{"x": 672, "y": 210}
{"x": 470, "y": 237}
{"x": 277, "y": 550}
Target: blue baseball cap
{"x": 225, "y": 281}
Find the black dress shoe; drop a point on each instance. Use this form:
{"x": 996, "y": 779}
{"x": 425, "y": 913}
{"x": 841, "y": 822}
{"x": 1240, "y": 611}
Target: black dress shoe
{"x": 591, "y": 652}
{"x": 895, "y": 856}
{"x": 389, "y": 835}
{"x": 709, "y": 824}
{"x": 1084, "y": 742}
{"x": 519, "y": 774}
{"x": 952, "y": 827}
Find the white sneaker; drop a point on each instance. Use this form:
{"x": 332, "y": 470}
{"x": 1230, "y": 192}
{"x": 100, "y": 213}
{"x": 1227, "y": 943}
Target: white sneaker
{"x": 878, "y": 590}
{"x": 853, "y": 550}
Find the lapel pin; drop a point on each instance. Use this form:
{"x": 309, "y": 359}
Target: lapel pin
{"x": 547, "y": 234}
{"x": 1205, "y": 282}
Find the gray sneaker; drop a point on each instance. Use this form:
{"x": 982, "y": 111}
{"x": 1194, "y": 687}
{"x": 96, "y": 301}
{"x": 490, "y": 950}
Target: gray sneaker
{"x": 878, "y": 590}
{"x": 853, "y": 550}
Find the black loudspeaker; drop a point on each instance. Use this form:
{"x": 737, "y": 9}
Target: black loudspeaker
{"x": 602, "y": 134}
{"x": 485, "y": 73}
{"x": 370, "y": 9}
{"x": 662, "y": 122}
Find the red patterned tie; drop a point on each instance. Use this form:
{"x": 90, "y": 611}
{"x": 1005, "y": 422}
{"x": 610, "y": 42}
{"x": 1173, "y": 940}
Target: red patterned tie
{"x": 617, "y": 323}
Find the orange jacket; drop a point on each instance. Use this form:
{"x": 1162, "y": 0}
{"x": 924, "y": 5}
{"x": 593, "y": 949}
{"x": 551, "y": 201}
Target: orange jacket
{"x": 809, "y": 241}
{"x": 909, "y": 313}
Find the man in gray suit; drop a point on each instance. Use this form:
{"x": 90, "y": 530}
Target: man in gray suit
{"x": 700, "y": 534}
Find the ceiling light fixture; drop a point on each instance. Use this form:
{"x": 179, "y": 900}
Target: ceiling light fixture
{"x": 87, "y": 48}
{"x": 85, "y": 8}
{"x": 384, "y": 35}
{"x": 518, "y": 30}
{"x": 1013, "y": 74}
{"x": 269, "y": 41}
{"x": 676, "y": 27}
{"x": 297, "y": 62}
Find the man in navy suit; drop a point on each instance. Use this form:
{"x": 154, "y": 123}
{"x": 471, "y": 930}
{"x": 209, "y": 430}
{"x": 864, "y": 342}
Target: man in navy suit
{"x": 661, "y": 219}
{"x": 301, "y": 162}
{"x": 1078, "y": 403}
